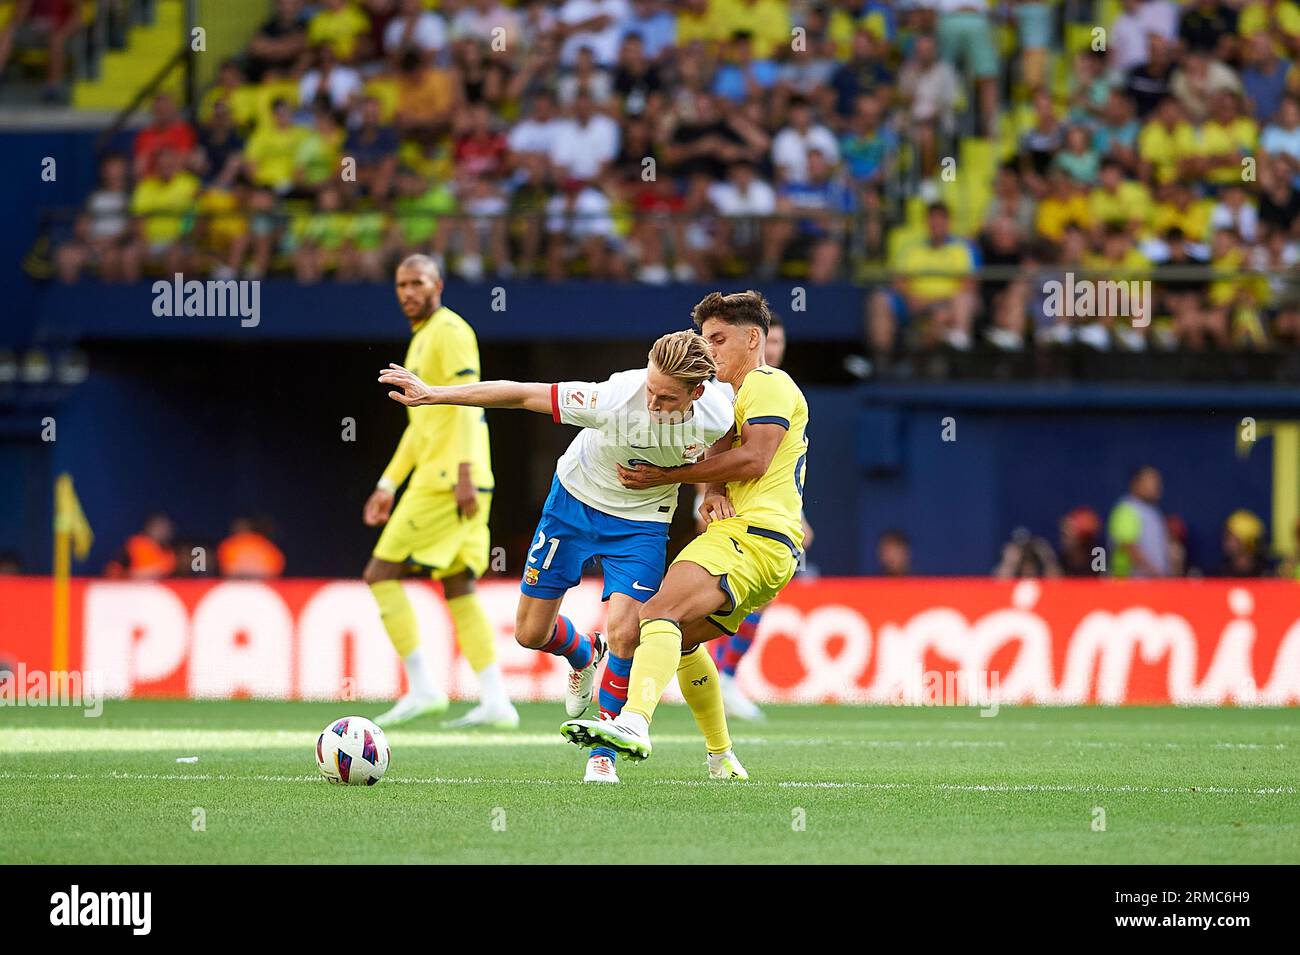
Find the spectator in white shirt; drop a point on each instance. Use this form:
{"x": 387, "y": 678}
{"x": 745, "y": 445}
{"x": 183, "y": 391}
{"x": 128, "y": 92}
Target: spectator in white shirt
{"x": 580, "y": 157}
{"x": 586, "y": 144}
{"x": 1235, "y": 211}
{"x": 743, "y": 202}
{"x": 594, "y": 23}
{"x": 491, "y": 23}
{"x": 330, "y": 79}
{"x": 1128, "y": 35}
{"x": 414, "y": 28}
{"x": 585, "y": 76}
{"x": 1282, "y": 137}
{"x": 791, "y": 146}
{"x": 929, "y": 89}
{"x": 538, "y": 132}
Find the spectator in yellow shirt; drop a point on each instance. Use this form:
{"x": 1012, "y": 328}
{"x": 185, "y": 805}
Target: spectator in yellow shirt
{"x": 1065, "y": 204}
{"x": 1178, "y": 208}
{"x": 1118, "y": 201}
{"x": 767, "y": 21}
{"x": 240, "y": 97}
{"x": 697, "y": 22}
{"x": 344, "y": 27}
{"x": 163, "y": 204}
{"x": 1281, "y": 19}
{"x": 1166, "y": 144}
{"x": 1227, "y": 138}
{"x": 1118, "y": 259}
{"x": 272, "y": 151}
{"x": 935, "y": 289}
{"x": 222, "y": 232}
{"x": 428, "y": 99}
{"x": 1231, "y": 293}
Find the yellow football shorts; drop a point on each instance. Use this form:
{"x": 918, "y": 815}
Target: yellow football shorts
{"x": 426, "y": 529}
{"x": 752, "y": 565}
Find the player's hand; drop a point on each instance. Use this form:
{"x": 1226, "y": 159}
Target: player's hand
{"x": 466, "y": 498}
{"x": 644, "y": 476}
{"x": 378, "y": 507}
{"x": 716, "y": 507}
{"x": 413, "y": 391}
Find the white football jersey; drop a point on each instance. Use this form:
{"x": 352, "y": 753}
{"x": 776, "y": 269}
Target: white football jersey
{"x": 617, "y": 429}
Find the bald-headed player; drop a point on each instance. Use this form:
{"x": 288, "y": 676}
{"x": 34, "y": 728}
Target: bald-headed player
{"x": 439, "y": 528}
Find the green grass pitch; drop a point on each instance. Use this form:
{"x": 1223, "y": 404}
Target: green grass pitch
{"x": 829, "y": 784}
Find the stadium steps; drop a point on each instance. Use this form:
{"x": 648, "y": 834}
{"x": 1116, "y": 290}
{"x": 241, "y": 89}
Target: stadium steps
{"x": 970, "y": 195}
{"x": 124, "y": 72}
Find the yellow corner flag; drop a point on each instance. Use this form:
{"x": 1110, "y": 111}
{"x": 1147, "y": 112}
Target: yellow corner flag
{"x": 72, "y": 534}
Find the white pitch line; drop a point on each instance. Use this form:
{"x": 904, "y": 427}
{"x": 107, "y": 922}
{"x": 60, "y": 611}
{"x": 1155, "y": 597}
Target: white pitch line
{"x": 1051, "y": 788}
{"x": 315, "y": 779}
{"x": 120, "y": 739}
{"x": 63, "y": 739}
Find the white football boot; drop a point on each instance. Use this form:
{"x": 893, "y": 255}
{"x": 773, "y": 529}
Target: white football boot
{"x": 726, "y": 766}
{"x": 580, "y": 683}
{"x": 737, "y": 703}
{"x": 497, "y": 716}
{"x": 413, "y": 705}
{"x": 627, "y": 734}
{"x": 600, "y": 769}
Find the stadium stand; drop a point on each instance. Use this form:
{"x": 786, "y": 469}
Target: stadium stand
{"x": 649, "y": 141}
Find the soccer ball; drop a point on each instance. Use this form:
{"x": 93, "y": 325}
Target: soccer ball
{"x": 352, "y": 752}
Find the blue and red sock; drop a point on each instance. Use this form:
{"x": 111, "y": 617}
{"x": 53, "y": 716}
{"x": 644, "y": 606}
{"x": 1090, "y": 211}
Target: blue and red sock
{"x": 728, "y": 651}
{"x": 569, "y": 642}
{"x": 613, "y": 693}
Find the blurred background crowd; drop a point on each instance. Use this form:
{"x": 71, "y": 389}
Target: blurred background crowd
{"x": 1136, "y": 539}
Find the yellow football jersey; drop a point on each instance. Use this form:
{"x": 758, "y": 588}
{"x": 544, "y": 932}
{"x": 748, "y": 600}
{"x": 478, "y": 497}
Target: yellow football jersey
{"x": 773, "y": 502}
{"x": 443, "y": 351}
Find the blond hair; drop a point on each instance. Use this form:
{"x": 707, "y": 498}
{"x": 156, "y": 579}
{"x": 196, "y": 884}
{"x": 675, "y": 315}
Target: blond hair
{"x": 684, "y": 356}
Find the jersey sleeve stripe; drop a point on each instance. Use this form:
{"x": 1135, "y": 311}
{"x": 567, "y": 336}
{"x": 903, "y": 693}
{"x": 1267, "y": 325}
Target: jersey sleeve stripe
{"x": 555, "y": 402}
{"x": 770, "y": 419}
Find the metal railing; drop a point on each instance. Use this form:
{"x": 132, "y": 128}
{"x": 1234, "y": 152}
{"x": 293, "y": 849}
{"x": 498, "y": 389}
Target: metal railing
{"x": 860, "y": 261}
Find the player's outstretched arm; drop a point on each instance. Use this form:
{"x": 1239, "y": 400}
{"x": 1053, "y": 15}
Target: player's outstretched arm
{"x": 758, "y": 444}
{"x": 413, "y": 392}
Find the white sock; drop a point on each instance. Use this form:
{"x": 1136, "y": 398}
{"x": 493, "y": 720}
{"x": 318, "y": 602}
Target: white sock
{"x": 418, "y": 675}
{"x": 492, "y": 689}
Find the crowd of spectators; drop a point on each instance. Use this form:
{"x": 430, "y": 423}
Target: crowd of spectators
{"x": 647, "y": 140}
{"x": 1140, "y": 540}
{"x": 155, "y": 552}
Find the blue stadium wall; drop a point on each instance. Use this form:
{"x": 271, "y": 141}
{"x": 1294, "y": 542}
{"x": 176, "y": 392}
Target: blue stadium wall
{"x": 1021, "y": 456}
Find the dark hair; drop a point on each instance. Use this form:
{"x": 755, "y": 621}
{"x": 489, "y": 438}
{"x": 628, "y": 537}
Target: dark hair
{"x": 774, "y": 321}
{"x": 738, "y": 308}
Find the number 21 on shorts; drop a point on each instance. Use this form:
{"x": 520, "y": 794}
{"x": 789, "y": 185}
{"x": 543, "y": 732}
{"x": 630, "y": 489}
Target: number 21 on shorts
{"x": 550, "y": 553}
